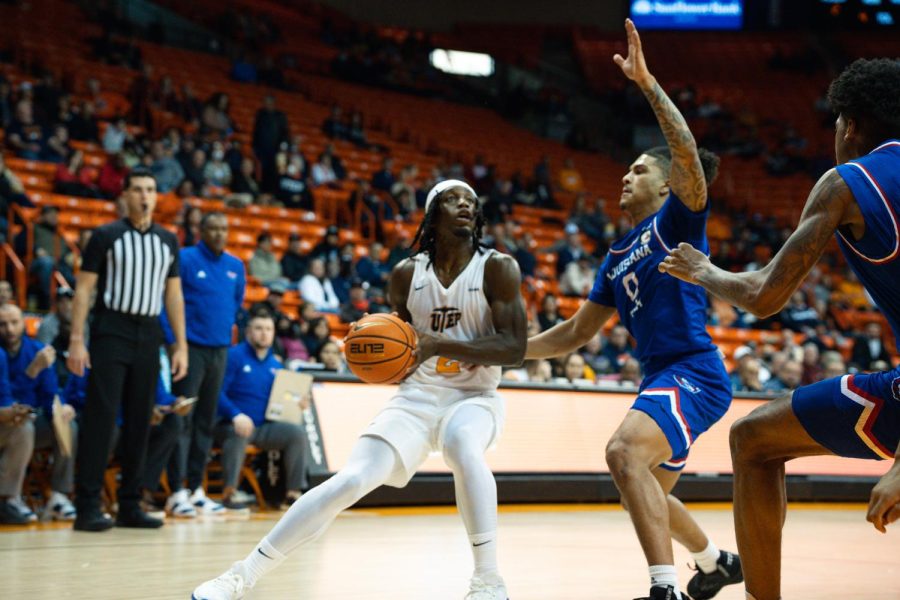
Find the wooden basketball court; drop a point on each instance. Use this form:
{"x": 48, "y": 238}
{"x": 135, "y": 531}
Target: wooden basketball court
{"x": 570, "y": 552}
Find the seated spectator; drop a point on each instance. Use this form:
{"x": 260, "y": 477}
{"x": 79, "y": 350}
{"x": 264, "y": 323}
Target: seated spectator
{"x": 190, "y": 108}
{"x": 264, "y": 264}
{"x": 549, "y": 314}
{"x": 340, "y": 171}
{"x": 215, "y": 122}
{"x": 328, "y": 248}
{"x": 786, "y": 379}
{"x": 293, "y": 261}
{"x": 74, "y": 178}
{"x": 569, "y": 178}
{"x": 316, "y": 288}
{"x": 11, "y": 189}
{"x": 318, "y": 333}
{"x": 400, "y": 250}
{"x": 115, "y": 136}
{"x": 195, "y": 172}
{"x": 357, "y": 305}
{"x": 798, "y": 315}
{"x": 112, "y": 177}
{"x": 833, "y": 366}
{"x": 383, "y": 179}
{"x": 629, "y": 377}
{"x": 25, "y": 136}
{"x": 165, "y": 168}
{"x": 574, "y": 372}
{"x": 293, "y": 190}
{"x": 869, "y": 347}
{"x": 55, "y": 328}
{"x": 812, "y": 369}
{"x": 189, "y": 233}
{"x": 334, "y": 126}
{"x": 331, "y": 358}
{"x": 355, "y": 132}
{"x": 578, "y": 278}
{"x": 524, "y": 256}
{"x": 745, "y": 378}
{"x": 48, "y": 248}
{"x": 56, "y": 148}
{"x": 7, "y": 293}
{"x": 217, "y": 172}
{"x": 83, "y": 124}
{"x": 289, "y": 340}
{"x": 593, "y": 357}
{"x": 532, "y": 371}
{"x": 244, "y": 183}
{"x": 372, "y": 269}
{"x": 33, "y": 382}
{"x": 571, "y": 251}
{"x": 618, "y": 349}
{"x": 249, "y": 376}
{"x": 322, "y": 173}
{"x": 16, "y": 447}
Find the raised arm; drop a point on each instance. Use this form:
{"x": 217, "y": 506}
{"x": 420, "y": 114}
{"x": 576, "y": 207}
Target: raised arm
{"x": 686, "y": 178}
{"x": 571, "y": 334}
{"x": 765, "y": 292}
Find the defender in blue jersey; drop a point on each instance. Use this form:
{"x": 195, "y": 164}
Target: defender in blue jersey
{"x": 686, "y": 388}
{"x": 853, "y": 415}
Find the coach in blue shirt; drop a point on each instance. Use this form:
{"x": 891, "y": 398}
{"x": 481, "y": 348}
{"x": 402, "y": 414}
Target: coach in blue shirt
{"x": 213, "y": 282}
{"x": 32, "y": 380}
{"x": 249, "y": 377}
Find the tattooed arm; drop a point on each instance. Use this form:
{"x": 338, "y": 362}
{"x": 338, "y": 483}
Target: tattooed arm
{"x": 686, "y": 176}
{"x": 766, "y": 291}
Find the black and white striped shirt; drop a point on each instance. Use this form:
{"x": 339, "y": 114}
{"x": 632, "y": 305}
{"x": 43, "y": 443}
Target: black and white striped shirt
{"x": 131, "y": 266}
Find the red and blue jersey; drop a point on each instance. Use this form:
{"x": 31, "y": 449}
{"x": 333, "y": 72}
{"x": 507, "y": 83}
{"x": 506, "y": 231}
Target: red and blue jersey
{"x": 874, "y": 180}
{"x": 665, "y": 315}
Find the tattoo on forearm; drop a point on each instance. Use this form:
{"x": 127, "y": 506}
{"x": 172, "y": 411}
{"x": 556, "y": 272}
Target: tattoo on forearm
{"x": 821, "y": 217}
{"x": 686, "y": 175}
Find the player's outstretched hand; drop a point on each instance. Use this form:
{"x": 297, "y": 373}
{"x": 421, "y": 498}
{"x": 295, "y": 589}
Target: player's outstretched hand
{"x": 634, "y": 66}
{"x": 684, "y": 262}
{"x": 884, "y": 505}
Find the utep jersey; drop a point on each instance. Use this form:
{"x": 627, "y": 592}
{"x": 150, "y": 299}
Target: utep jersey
{"x": 874, "y": 180}
{"x": 665, "y": 315}
{"x": 460, "y": 312}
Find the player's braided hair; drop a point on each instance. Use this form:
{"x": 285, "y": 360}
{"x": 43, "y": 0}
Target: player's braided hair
{"x": 425, "y": 240}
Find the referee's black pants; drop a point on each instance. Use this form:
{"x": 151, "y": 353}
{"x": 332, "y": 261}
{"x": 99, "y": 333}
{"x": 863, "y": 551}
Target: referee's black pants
{"x": 124, "y": 355}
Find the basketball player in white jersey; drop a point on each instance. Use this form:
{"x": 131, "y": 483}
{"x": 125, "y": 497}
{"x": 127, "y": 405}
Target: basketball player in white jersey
{"x": 464, "y": 302}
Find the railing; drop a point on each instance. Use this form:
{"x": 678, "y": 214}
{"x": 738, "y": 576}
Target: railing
{"x": 21, "y": 274}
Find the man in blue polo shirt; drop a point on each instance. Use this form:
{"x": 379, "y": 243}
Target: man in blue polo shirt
{"x": 33, "y": 382}
{"x": 213, "y": 282}
{"x": 249, "y": 377}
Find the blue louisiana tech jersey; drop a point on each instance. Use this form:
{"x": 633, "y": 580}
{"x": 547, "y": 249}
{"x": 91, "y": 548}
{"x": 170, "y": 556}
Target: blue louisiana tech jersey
{"x": 665, "y": 315}
{"x": 874, "y": 180}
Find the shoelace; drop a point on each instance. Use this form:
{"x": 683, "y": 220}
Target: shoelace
{"x": 480, "y": 590}
{"x": 233, "y": 582}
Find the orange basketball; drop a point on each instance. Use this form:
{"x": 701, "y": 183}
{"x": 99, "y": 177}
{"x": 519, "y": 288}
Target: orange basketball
{"x": 379, "y": 348}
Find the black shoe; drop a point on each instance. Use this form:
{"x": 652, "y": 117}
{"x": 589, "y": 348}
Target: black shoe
{"x": 10, "y": 515}
{"x": 663, "y": 593}
{"x": 92, "y": 520}
{"x": 231, "y": 504}
{"x": 137, "y": 519}
{"x": 703, "y": 586}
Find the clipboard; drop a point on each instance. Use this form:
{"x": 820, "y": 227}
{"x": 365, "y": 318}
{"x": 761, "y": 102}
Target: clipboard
{"x": 61, "y": 429}
{"x": 288, "y": 391}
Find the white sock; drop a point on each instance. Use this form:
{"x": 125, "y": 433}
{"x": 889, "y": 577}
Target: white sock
{"x": 707, "y": 559}
{"x": 484, "y": 550}
{"x": 260, "y": 561}
{"x": 664, "y": 576}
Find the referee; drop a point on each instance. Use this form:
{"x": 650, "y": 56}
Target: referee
{"x": 133, "y": 264}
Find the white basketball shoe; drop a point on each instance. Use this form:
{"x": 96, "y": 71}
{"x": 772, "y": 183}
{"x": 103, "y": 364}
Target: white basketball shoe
{"x": 230, "y": 585}
{"x": 479, "y": 589}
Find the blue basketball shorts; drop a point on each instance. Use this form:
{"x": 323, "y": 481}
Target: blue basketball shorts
{"x": 685, "y": 399}
{"x": 857, "y": 416}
